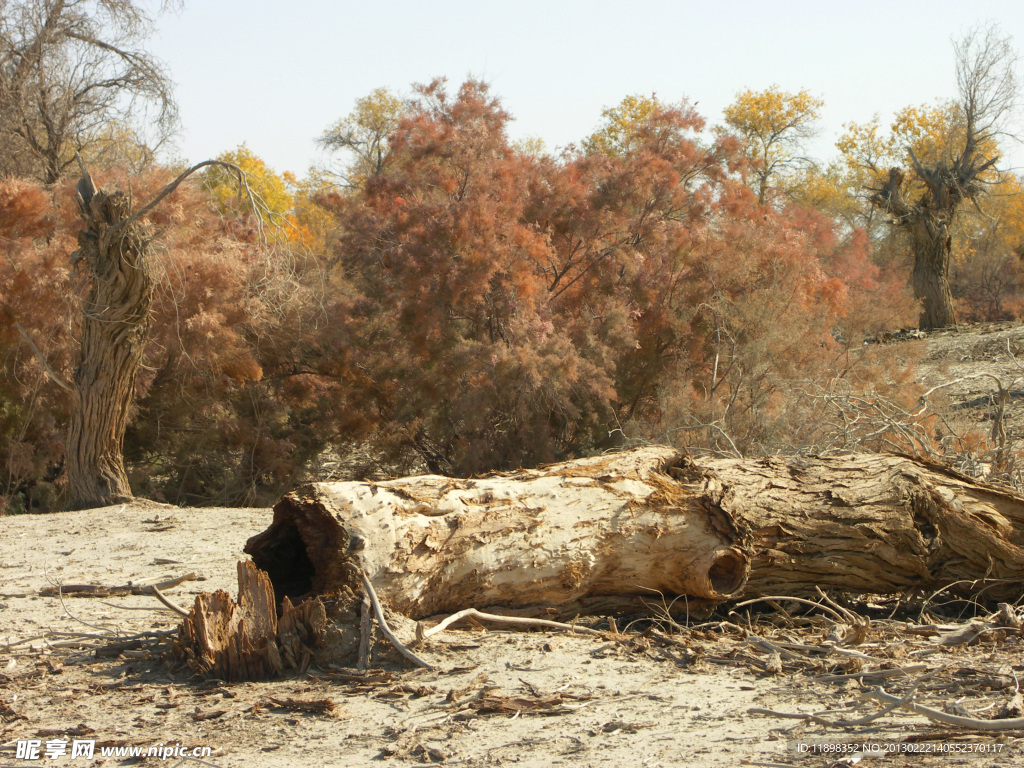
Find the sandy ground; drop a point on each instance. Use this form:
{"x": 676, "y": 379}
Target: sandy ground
{"x": 568, "y": 700}
{"x": 626, "y": 708}
{"x": 632, "y": 704}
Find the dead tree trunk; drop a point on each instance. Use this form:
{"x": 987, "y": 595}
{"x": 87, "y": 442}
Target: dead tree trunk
{"x": 870, "y": 524}
{"x": 635, "y": 530}
{"x": 115, "y": 320}
{"x": 932, "y": 246}
{"x": 599, "y": 533}
{"x": 645, "y": 522}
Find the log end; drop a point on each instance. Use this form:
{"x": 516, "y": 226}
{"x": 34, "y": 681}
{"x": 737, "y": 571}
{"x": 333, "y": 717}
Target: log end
{"x": 727, "y": 573}
{"x": 305, "y": 551}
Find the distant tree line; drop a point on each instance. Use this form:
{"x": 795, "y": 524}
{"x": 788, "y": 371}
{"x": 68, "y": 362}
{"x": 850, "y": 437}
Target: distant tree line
{"x": 443, "y": 297}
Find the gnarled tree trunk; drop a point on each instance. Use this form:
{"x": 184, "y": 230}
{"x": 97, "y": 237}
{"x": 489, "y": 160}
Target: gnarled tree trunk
{"x": 115, "y": 321}
{"x": 870, "y": 524}
{"x": 932, "y": 253}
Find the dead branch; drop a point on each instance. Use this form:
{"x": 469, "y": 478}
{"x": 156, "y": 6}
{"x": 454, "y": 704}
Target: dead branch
{"x": 382, "y": 622}
{"x": 472, "y": 613}
{"x": 98, "y": 590}
{"x": 1009, "y": 724}
{"x": 47, "y": 369}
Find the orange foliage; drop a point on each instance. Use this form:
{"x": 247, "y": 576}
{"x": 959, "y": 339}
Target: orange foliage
{"x": 483, "y": 306}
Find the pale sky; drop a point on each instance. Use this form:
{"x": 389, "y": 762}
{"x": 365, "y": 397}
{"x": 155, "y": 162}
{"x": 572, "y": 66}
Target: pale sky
{"x": 276, "y": 74}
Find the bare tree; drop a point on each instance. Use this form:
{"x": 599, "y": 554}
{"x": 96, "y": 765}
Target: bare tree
{"x": 924, "y": 201}
{"x": 68, "y": 68}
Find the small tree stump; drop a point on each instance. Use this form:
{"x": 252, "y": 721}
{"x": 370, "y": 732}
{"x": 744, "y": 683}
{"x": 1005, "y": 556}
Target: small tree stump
{"x": 244, "y": 640}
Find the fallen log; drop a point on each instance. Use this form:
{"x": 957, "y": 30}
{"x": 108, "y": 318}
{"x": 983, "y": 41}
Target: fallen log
{"x": 869, "y": 524}
{"x": 608, "y": 530}
{"x": 616, "y": 532}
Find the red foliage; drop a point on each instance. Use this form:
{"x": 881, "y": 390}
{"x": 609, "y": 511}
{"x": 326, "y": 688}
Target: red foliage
{"x": 508, "y": 309}
{"x": 484, "y": 308}
{"x": 35, "y": 295}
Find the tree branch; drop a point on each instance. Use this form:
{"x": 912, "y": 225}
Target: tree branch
{"x": 239, "y": 173}
{"x": 42, "y": 360}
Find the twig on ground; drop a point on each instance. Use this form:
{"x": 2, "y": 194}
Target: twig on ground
{"x": 835, "y": 614}
{"x": 898, "y": 672}
{"x": 498, "y": 619}
{"x": 364, "y": 635}
{"x": 114, "y": 632}
{"x": 372, "y": 594}
{"x": 1009, "y": 724}
{"x": 158, "y": 608}
{"x": 194, "y": 760}
{"x": 851, "y": 617}
{"x": 894, "y": 703}
{"x": 173, "y": 606}
{"x": 98, "y": 590}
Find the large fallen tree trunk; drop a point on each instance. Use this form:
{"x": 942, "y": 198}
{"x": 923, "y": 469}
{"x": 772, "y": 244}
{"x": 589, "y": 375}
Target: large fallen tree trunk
{"x": 610, "y": 532}
{"x": 597, "y": 532}
{"x": 644, "y": 522}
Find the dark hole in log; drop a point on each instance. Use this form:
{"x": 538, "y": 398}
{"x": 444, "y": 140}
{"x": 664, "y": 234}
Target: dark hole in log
{"x": 304, "y": 551}
{"x": 925, "y": 526}
{"x": 284, "y": 559}
{"x": 728, "y": 573}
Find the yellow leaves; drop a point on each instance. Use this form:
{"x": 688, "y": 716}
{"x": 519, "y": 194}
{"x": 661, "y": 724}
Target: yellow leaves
{"x": 999, "y": 219}
{"x": 375, "y": 116}
{"x": 268, "y": 187}
{"x": 767, "y": 116}
{"x": 531, "y": 146}
{"x": 310, "y": 223}
{"x": 623, "y": 125}
{"x": 774, "y": 124}
{"x": 284, "y": 202}
{"x": 934, "y": 134}
{"x": 364, "y": 135}
{"x": 823, "y": 189}
{"x": 929, "y": 131}
{"x": 865, "y": 141}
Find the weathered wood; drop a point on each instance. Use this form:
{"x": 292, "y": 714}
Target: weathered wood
{"x": 870, "y": 524}
{"x": 644, "y": 522}
{"x": 605, "y": 534}
{"x": 245, "y": 640}
{"x": 115, "y": 323}
{"x": 609, "y": 530}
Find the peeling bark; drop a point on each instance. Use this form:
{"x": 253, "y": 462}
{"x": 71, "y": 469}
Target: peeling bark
{"x": 613, "y": 528}
{"x": 645, "y": 522}
{"x": 870, "y": 524}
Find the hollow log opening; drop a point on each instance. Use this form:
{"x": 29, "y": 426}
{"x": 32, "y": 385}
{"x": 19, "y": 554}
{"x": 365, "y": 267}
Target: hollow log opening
{"x": 728, "y": 572}
{"x": 300, "y": 551}
{"x": 285, "y": 561}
